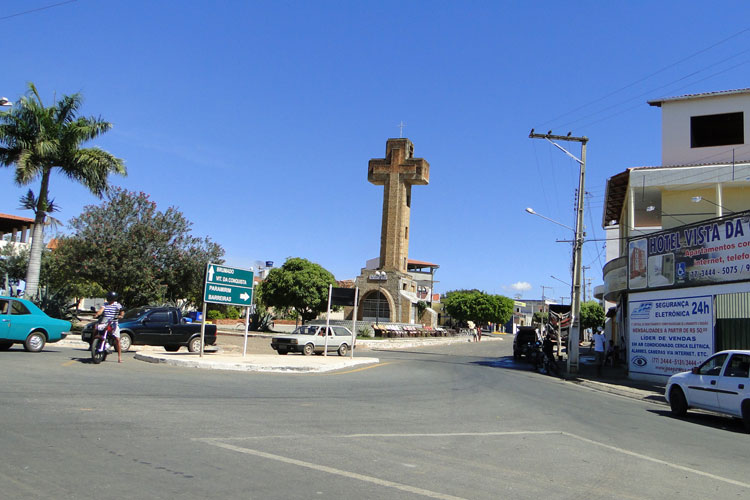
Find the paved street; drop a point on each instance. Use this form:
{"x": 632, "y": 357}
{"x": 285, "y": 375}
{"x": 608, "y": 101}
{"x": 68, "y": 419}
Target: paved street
{"x": 459, "y": 421}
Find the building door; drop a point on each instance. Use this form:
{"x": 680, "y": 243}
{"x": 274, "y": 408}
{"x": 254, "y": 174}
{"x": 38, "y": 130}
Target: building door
{"x": 375, "y": 308}
{"x": 733, "y": 321}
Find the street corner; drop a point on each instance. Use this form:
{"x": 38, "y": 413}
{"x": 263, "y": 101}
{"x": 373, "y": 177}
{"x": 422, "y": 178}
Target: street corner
{"x": 257, "y": 362}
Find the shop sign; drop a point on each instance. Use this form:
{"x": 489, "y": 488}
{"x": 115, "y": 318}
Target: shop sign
{"x": 710, "y": 252}
{"x": 670, "y": 335}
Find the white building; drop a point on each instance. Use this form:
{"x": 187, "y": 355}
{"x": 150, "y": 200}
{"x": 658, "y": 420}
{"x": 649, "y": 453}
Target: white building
{"x": 681, "y": 275}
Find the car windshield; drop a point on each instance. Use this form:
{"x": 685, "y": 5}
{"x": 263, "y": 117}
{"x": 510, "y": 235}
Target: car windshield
{"x": 306, "y": 330}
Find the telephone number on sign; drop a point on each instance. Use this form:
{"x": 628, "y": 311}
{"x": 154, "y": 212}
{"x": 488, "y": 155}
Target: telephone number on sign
{"x": 735, "y": 269}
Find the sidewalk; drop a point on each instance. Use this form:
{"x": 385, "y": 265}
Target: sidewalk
{"x": 613, "y": 380}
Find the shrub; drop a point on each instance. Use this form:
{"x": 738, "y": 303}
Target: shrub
{"x": 213, "y": 315}
{"x": 233, "y": 313}
{"x": 365, "y": 331}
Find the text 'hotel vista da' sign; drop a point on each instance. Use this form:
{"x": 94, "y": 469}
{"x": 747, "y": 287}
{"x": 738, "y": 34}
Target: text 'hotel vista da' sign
{"x": 228, "y": 285}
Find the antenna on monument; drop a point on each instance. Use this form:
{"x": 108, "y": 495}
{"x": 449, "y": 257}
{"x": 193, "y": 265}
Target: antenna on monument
{"x": 401, "y": 129}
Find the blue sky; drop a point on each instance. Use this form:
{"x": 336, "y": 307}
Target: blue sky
{"x": 257, "y": 119}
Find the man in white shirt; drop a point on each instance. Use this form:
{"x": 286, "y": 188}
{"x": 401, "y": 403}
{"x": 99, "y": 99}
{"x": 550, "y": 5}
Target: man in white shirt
{"x": 600, "y": 348}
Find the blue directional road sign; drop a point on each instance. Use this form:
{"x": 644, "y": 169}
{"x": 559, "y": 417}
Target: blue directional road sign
{"x": 228, "y": 285}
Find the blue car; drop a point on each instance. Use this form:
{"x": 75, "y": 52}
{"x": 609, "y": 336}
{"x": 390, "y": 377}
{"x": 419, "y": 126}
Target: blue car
{"x": 21, "y": 322}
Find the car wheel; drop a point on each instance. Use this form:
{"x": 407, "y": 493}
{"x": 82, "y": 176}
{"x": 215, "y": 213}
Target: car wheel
{"x": 34, "y": 342}
{"x": 515, "y": 354}
{"x": 343, "y": 349}
{"x": 308, "y": 350}
{"x": 125, "y": 342}
{"x": 194, "y": 345}
{"x": 677, "y": 402}
{"x": 282, "y": 351}
{"x": 4, "y": 346}
{"x": 171, "y": 348}
{"x": 746, "y": 414}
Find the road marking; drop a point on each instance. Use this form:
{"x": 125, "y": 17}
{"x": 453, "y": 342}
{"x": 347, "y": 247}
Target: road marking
{"x": 658, "y": 461}
{"x": 359, "y": 369}
{"x": 68, "y": 363}
{"x": 331, "y": 470}
{"x": 478, "y": 434}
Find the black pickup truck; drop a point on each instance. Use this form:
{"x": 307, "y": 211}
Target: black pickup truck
{"x": 159, "y": 326}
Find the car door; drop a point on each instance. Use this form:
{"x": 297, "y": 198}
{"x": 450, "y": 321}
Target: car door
{"x": 156, "y": 328}
{"x": 22, "y": 322}
{"x": 5, "y": 319}
{"x": 703, "y": 388}
{"x": 734, "y": 384}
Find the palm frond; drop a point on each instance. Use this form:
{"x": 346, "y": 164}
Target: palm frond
{"x": 28, "y": 201}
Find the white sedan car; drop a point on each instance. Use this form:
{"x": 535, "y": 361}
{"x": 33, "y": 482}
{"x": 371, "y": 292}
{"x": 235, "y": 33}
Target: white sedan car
{"x": 719, "y": 384}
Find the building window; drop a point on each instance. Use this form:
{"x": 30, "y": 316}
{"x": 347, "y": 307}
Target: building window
{"x": 717, "y": 130}
{"x": 406, "y": 232}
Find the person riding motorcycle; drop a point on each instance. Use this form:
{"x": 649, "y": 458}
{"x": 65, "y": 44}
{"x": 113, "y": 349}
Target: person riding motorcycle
{"x": 112, "y": 311}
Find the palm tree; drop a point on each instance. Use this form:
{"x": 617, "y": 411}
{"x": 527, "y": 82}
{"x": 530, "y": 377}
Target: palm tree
{"x": 37, "y": 139}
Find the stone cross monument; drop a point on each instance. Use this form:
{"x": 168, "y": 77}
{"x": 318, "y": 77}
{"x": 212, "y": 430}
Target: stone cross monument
{"x": 398, "y": 172}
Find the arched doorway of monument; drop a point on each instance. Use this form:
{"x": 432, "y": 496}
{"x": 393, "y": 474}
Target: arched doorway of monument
{"x": 375, "y": 307}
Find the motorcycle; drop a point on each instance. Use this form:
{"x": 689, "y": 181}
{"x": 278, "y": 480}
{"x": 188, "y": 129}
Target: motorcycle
{"x": 542, "y": 362}
{"x": 101, "y": 343}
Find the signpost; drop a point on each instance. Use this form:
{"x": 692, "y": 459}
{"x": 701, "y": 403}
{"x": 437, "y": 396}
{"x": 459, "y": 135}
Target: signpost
{"x": 227, "y": 285}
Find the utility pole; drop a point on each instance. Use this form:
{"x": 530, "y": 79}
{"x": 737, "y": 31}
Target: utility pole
{"x": 583, "y": 270}
{"x": 575, "y": 331}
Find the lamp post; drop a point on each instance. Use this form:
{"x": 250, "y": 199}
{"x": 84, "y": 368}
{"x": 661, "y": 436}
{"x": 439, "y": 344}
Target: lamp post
{"x": 380, "y": 277}
{"x": 5, "y": 102}
{"x": 532, "y": 212}
{"x": 575, "y": 327}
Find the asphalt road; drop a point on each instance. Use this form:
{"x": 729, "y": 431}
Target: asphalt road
{"x": 459, "y": 421}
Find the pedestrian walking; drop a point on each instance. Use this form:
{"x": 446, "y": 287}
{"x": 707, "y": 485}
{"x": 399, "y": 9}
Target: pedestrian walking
{"x": 600, "y": 348}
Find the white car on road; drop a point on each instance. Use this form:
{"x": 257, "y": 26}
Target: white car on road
{"x": 309, "y": 339}
{"x": 720, "y": 384}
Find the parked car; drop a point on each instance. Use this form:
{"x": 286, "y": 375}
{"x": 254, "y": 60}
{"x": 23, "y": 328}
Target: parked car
{"x": 21, "y": 322}
{"x": 310, "y": 339}
{"x": 158, "y": 326}
{"x": 719, "y": 384}
{"x": 525, "y": 335}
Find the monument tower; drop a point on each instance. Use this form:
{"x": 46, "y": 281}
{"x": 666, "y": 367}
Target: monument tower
{"x": 388, "y": 291}
{"x": 397, "y": 172}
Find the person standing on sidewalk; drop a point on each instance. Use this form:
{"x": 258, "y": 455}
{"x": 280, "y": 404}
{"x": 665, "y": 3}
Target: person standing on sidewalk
{"x": 600, "y": 348}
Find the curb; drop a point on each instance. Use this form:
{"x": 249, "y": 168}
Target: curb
{"x": 624, "y": 391}
{"x": 254, "y": 365}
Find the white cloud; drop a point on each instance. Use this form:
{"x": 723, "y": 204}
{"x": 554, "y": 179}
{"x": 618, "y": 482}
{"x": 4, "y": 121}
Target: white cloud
{"x": 521, "y": 286}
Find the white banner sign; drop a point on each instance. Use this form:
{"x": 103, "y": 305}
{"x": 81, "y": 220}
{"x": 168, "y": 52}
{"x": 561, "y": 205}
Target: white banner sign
{"x": 670, "y": 335}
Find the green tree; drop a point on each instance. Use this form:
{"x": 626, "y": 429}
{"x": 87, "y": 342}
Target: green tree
{"x": 129, "y": 246}
{"x": 480, "y": 307}
{"x": 37, "y": 139}
{"x": 13, "y": 264}
{"x": 298, "y": 284}
{"x": 592, "y": 314}
{"x": 540, "y": 317}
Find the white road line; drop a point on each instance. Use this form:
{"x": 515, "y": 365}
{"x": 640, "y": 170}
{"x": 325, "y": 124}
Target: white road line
{"x": 472, "y": 434}
{"x": 331, "y": 470}
{"x": 658, "y": 461}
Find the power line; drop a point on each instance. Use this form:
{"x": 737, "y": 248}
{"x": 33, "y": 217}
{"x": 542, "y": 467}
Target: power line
{"x": 720, "y": 42}
{"x": 37, "y": 9}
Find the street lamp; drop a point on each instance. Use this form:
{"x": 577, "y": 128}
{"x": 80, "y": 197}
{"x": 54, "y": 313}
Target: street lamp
{"x": 532, "y": 212}
{"x": 380, "y": 277}
{"x": 575, "y": 327}
{"x": 5, "y": 102}
{"x": 558, "y": 279}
